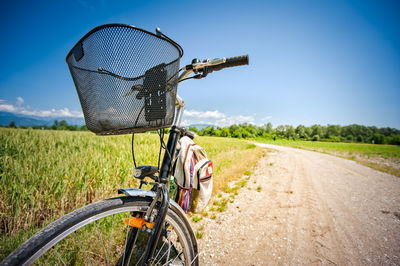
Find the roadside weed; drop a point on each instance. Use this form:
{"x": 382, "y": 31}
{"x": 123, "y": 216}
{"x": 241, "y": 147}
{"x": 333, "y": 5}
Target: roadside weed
{"x": 196, "y": 219}
{"x": 199, "y": 235}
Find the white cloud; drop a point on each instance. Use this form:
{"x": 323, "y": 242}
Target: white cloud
{"x": 20, "y": 101}
{"x": 215, "y": 118}
{"x": 204, "y": 115}
{"x": 7, "y": 107}
{"x": 20, "y": 108}
{"x": 266, "y": 119}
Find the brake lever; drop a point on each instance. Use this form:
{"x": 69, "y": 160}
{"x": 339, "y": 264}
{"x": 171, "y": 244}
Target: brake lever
{"x": 203, "y": 74}
{"x": 137, "y": 87}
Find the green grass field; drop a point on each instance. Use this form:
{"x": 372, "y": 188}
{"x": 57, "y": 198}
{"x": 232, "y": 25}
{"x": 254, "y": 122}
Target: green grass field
{"x": 46, "y": 174}
{"x": 385, "y": 158}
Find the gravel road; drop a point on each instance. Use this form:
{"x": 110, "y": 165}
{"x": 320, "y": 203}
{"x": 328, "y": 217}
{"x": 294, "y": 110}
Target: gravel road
{"x": 310, "y": 208}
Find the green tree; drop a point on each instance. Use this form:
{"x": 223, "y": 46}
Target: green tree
{"x": 280, "y": 131}
{"x": 378, "y": 139}
{"x": 237, "y": 134}
{"x": 72, "y": 127}
{"x": 315, "y": 138}
{"x": 350, "y": 138}
{"x": 225, "y": 132}
{"x": 309, "y": 132}
{"x": 316, "y": 130}
{"x": 194, "y": 129}
{"x": 233, "y": 128}
{"x": 301, "y": 131}
{"x": 394, "y": 140}
{"x": 333, "y": 130}
{"x": 209, "y": 131}
{"x": 268, "y": 128}
{"x": 55, "y": 125}
{"x": 290, "y": 132}
{"x": 218, "y": 132}
{"x": 245, "y": 134}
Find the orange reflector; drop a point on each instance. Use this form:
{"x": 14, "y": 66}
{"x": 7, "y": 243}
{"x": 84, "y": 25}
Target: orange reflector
{"x": 138, "y": 222}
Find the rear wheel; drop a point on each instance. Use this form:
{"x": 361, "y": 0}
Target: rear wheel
{"x": 109, "y": 232}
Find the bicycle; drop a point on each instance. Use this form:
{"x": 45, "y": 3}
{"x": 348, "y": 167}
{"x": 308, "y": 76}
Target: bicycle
{"x": 143, "y": 227}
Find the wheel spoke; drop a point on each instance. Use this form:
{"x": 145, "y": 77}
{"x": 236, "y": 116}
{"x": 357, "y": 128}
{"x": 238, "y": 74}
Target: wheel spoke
{"x": 169, "y": 248}
{"x": 155, "y": 258}
{"x": 141, "y": 257}
{"x": 102, "y": 244}
{"x": 167, "y": 252}
{"x": 172, "y": 260}
{"x": 58, "y": 255}
{"x": 195, "y": 257}
{"x": 111, "y": 233}
{"x": 126, "y": 240}
{"x": 175, "y": 250}
{"x": 84, "y": 250}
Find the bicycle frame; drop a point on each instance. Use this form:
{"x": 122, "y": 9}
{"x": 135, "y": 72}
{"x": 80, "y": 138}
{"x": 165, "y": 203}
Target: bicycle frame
{"x": 162, "y": 189}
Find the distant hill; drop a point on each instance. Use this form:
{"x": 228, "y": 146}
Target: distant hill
{"x": 22, "y": 120}
{"x": 27, "y": 121}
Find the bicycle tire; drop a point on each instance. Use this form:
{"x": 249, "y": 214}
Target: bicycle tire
{"x": 88, "y": 217}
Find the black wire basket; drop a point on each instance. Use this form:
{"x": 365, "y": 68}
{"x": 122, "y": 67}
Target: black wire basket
{"x": 126, "y": 79}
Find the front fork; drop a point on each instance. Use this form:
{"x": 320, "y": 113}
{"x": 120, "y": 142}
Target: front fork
{"x": 161, "y": 198}
{"x": 158, "y": 224}
{"x": 162, "y": 195}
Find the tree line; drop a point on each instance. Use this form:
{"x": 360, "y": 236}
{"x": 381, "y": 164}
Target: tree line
{"x": 331, "y": 133}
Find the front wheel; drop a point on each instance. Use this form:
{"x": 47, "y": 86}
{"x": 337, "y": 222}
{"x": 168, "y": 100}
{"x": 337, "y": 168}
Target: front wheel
{"x": 104, "y": 233}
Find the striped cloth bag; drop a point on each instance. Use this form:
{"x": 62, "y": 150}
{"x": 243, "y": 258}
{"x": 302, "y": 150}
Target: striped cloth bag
{"x": 193, "y": 175}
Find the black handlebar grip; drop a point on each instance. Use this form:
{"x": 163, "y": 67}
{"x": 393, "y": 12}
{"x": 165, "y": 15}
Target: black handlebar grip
{"x": 231, "y": 62}
{"x": 237, "y": 61}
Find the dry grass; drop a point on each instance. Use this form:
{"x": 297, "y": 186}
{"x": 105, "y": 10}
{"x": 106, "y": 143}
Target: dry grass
{"x": 391, "y": 168}
{"x": 244, "y": 160}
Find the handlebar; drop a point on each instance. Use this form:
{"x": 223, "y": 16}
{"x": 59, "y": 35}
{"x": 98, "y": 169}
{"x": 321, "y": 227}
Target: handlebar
{"x": 231, "y": 62}
{"x": 210, "y": 65}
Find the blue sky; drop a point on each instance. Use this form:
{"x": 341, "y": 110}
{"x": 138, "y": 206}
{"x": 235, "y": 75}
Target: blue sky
{"x": 311, "y": 62}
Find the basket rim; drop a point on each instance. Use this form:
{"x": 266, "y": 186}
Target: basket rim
{"x": 180, "y": 49}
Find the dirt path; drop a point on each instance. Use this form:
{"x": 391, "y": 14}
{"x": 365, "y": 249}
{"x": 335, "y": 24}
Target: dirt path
{"x": 312, "y": 209}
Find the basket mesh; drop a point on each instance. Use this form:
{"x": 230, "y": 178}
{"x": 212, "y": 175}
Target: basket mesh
{"x": 126, "y": 79}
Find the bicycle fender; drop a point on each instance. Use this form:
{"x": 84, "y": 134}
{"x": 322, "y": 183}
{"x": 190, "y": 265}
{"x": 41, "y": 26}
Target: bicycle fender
{"x": 136, "y": 192}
